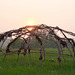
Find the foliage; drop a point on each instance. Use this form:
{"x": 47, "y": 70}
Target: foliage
{"x": 16, "y": 44}
{"x": 34, "y": 44}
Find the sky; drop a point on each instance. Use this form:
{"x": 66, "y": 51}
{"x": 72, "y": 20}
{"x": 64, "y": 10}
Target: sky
{"x": 18, "y": 13}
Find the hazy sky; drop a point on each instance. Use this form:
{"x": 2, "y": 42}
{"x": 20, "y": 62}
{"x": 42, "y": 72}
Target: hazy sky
{"x": 17, "y": 13}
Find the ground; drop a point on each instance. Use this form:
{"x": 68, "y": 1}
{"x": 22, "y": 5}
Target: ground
{"x": 10, "y": 66}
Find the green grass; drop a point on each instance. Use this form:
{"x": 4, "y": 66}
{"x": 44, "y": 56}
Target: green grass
{"x": 11, "y": 67}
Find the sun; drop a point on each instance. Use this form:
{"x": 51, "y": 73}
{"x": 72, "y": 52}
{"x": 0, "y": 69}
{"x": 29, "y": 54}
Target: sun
{"x": 31, "y": 23}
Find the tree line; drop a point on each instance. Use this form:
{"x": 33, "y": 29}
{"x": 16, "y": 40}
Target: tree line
{"x": 33, "y": 43}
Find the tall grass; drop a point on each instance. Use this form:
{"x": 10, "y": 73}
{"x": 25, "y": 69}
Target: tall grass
{"x": 10, "y": 66}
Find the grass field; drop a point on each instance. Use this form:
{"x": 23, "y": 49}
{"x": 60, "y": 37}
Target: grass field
{"x": 11, "y": 67}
